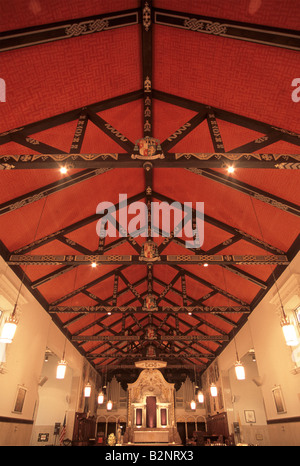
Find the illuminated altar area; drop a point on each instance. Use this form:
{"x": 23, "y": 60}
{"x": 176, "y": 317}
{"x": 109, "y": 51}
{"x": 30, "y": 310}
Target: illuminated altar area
{"x": 151, "y": 410}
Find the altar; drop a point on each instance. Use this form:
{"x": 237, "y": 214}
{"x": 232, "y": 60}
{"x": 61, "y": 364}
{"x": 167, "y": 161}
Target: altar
{"x": 150, "y": 436}
{"x": 151, "y": 410}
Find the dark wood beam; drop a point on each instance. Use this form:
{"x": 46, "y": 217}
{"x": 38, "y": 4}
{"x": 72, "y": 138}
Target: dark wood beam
{"x": 127, "y": 310}
{"x": 79, "y": 132}
{"x": 230, "y": 117}
{"x": 55, "y": 187}
{"x": 34, "y": 144}
{"x": 147, "y": 59}
{"x": 224, "y": 226}
{"x": 68, "y": 29}
{"x": 87, "y": 286}
{"x": 256, "y": 193}
{"x": 72, "y": 259}
{"x": 220, "y": 27}
{"x": 112, "y": 132}
{"x": 74, "y": 226}
{"x": 66, "y": 117}
{"x": 167, "y": 160}
{"x": 119, "y": 337}
{"x": 183, "y": 131}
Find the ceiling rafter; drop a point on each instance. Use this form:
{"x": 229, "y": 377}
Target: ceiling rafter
{"x": 74, "y": 226}
{"x": 226, "y": 227}
{"x": 68, "y": 29}
{"x": 256, "y": 193}
{"x": 230, "y": 117}
{"x": 237, "y": 30}
{"x": 183, "y": 344}
{"x": 217, "y": 249}
{"x": 52, "y": 188}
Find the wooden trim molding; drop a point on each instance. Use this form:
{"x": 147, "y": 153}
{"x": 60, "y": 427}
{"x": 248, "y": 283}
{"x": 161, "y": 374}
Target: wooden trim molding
{"x": 284, "y": 420}
{"x": 15, "y": 420}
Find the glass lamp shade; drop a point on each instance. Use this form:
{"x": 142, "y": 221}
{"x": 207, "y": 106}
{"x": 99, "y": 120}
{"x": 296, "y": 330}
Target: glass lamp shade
{"x": 193, "y": 405}
{"x": 109, "y": 405}
{"x": 61, "y": 369}
{"x": 9, "y": 330}
{"x": 289, "y": 333}
{"x": 100, "y": 398}
{"x": 200, "y": 397}
{"x": 87, "y": 390}
{"x": 239, "y": 371}
{"x": 213, "y": 390}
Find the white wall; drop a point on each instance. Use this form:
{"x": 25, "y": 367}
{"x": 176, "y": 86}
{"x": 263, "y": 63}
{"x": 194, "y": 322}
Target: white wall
{"x": 24, "y": 360}
{"x": 275, "y": 366}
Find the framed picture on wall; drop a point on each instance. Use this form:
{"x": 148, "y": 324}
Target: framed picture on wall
{"x": 20, "y": 398}
{"x": 250, "y": 416}
{"x": 278, "y": 399}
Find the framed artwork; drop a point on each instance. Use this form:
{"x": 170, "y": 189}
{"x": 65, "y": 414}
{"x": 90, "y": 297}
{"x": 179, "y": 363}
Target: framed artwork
{"x": 278, "y": 399}
{"x": 20, "y": 398}
{"x": 250, "y": 416}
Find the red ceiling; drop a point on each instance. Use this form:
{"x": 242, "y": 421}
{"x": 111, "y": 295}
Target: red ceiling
{"x": 245, "y": 78}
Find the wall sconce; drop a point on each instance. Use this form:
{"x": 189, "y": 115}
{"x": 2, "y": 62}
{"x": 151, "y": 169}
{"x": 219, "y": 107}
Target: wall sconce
{"x": 193, "y": 405}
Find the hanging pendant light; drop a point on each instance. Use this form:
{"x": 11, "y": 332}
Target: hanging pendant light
{"x": 62, "y": 366}
{"x": 200, "y": 396}
{"x": 239, "y": 371}
{"x": 213, "y": 390}
{"x": 87, "y": 390}
{"x": 238, "y": 367}
{"x": 193, "y": 405}
{"x": 61, "y": 369}
{"x": 9, "y": 328}
{"x": 289, "y": 332}
{"x": 100, "y": 397}
{"x": 109, "y": 405}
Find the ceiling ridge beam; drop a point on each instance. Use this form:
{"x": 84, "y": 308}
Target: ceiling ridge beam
{"x": 147, "y": 62}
